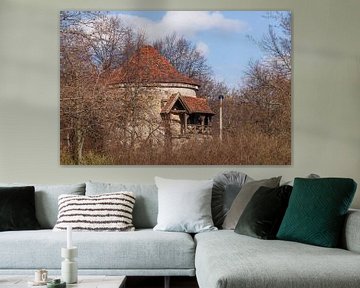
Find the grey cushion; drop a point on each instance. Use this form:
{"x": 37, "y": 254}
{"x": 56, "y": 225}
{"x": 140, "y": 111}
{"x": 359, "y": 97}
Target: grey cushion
{"x": 184, "y": 205}
{"x": 46, "y": 200}
{"x": 243, "y": 198}
{"x": 144, "y": 249}
{"x": 146, "y": 204}
{"x": 225, "y": 259}
{"x": 225, "y": 189}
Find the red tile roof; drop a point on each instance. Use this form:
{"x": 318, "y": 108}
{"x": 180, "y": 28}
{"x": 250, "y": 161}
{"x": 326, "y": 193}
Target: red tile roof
{"x": 196, "y": 105}
{"x": 191, "y": 104}
{"x": 147, "y": 65}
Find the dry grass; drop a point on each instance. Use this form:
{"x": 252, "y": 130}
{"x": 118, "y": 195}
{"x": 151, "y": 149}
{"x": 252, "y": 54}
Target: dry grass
{"x": 90, "y": 158}
{"x": 247, "y": 148}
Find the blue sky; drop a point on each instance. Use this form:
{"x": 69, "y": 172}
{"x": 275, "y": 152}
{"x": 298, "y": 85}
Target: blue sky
{"x": 222, "y": 36}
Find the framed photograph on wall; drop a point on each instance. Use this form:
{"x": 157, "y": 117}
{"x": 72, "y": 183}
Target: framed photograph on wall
{"x": 175, "y": 87}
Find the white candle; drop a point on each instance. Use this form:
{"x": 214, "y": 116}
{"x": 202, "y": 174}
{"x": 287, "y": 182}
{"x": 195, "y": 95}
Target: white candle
{"x": 69, "y": 239}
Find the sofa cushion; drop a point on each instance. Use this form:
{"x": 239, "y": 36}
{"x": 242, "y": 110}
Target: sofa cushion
{"x": 317, "y": 209}
{"x": 105, "y": 212}
{"x": 263, "y": 215}
{"x": 184, "y": 205}
{"x": 46, "y": 200}
{"x": 225, "y": 189}
{"x": 17, "y": 208}
{"x": 142, "y": 249}
{"x": 243, "y": 198}
{"x": 225, "y": 259}
{"x": 146, "y": 205}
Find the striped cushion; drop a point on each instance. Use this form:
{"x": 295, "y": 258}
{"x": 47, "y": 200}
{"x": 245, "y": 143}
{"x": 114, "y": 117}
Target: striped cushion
{"x": 105, "y": 212}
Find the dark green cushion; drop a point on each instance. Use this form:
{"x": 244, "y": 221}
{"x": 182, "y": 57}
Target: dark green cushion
{"x": 316, "y": 211}
{"x": 17, "y": 208}
{"x": 263, "y": 214}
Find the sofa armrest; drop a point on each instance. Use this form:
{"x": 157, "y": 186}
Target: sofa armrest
{"x": 351, "y": 234}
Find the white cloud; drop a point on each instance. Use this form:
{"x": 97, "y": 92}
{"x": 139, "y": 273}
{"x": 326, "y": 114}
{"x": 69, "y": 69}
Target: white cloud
{"x": 192, "y": 22}
{"x": 203, "y": 48}
{"x": 136, "y": 22}
{"x": 185, "y": 23}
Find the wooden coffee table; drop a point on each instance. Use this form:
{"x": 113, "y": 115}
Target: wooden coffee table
{"x": 84, "y": 281}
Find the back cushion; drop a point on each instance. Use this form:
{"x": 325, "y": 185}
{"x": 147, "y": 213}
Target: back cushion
{"x": 46, "y": 200}
{"x": 146, "y": 203}
{"x": 225, "y": 189}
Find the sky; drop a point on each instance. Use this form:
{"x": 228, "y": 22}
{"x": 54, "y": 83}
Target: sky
{"x": 222, "y": 36}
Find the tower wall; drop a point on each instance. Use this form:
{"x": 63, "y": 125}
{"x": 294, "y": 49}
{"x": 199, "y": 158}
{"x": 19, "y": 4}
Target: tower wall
{"x": 155, "y": 96}
{"x": 163, "y": 91}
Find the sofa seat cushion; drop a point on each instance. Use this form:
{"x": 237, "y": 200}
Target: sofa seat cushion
{"x": 225, "y": 259}
{"x": 142, "y": 249}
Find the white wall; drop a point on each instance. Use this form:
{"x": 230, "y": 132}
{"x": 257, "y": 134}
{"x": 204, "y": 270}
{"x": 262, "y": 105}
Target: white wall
{"x": 326, "y": 91}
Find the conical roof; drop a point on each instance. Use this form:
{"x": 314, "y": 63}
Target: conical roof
{"x": 148, "y": 66}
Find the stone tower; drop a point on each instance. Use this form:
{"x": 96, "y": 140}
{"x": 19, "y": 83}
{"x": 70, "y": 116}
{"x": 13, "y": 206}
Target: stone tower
{"x": 173, "y": 95}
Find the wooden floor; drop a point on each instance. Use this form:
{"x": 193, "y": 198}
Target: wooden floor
{"x": 158, "y": 282}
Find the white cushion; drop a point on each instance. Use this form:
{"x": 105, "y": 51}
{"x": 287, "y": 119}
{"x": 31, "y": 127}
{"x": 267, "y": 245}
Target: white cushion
{"x": 184, "y": 205}
{"x": 105, "y": 212}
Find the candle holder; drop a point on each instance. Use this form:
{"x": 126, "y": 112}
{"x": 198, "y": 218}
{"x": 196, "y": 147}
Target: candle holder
{"x": 68, "y": 265}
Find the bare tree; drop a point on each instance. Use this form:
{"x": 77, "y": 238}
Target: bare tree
{"x": 277, "y": 43}
{"x": 80, "y": 93}
{"x": 112, "y": 42}
{"x": 91, "y": 45}
{"x": 94, "y": 114}
{"x": 72, "y": 21}
{"x": 184, "y": 56}
{"x": 267, "y": 86}
{"x": 211, "y": 88}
